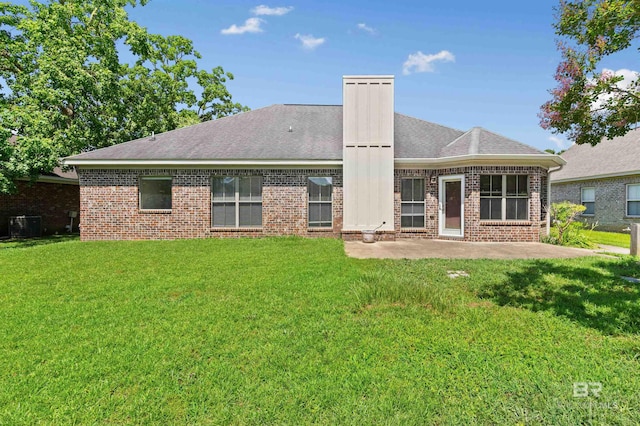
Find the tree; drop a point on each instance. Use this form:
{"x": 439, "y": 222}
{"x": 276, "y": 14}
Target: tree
{"x": 589, "y": 105}
{"x": 64, "y": 88}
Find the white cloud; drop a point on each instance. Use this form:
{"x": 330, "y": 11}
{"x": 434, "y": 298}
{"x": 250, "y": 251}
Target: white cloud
{"x": 310, "y": 42}
{"x": 629, "y": 77}
{"x": 271, "y": 11}
{"x": 419, "y": 62}
{"x": 251, "y": 25}
{"x": 559, "y": 142}
{"x": 365, "y": 27}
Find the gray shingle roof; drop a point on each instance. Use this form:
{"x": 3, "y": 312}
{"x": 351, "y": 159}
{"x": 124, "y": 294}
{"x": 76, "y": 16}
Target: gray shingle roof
{"x": 620, "y": 155}
{"x": 481, "y": 141}
{"x": 316, "y": 134}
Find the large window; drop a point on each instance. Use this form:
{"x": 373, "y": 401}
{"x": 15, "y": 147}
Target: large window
{"x": 504, "y": 197}
{"x": 155, "y": 193}
{"x": 588, "y": 199}
{"x": 412, "y": 209}
{"x": 633, "y": 200}
{"x": 320, "y": 198}
{"x": 236, "y": 202}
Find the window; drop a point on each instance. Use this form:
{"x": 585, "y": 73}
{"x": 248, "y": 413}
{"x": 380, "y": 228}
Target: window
{"x": 320, "y": 196}
{"x": 155, "y": 193}
{"x": 633, "y": 200}
{"x": 588, "y": 199}
{"x": 413, "y": 208}
{"x": 236, "y": 202}
{"x": 504, "y": 197}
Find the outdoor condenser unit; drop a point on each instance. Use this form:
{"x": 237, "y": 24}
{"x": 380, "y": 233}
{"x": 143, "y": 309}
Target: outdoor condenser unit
{"x": 25, "y": 226}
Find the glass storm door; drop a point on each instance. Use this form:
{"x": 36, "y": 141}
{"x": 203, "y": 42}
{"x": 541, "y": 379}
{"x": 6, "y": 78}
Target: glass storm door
{"x": 451, "y": 205}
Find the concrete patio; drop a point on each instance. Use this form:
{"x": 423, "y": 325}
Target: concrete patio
{"x": 420, "y": 249}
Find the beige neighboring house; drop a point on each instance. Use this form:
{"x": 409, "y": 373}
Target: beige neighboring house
{"x": 605, "y": 178}
{"x": 317, "y": 170}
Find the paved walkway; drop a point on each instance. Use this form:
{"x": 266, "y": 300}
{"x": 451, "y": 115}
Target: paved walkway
{"x": 419, "y": 249}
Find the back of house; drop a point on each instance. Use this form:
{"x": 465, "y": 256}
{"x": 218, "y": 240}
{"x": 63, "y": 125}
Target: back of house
{"x": 317, "y": 170}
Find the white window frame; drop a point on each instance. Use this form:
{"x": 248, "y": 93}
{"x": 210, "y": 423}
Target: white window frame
{"x": 504, "y": 197}
{"x": 148, "y": 178}
{"x": 583, "y": 200}
{"x": 311, "y": 224}
{"x": 236, "y": 201}
{"x": 413, "y": 203}
{"x": 626, "y": 204}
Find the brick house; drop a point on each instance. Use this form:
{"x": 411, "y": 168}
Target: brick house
{"x": 317, "y": 170}
{"x": 605, "y": 178}
{"x": 50, "y": 198}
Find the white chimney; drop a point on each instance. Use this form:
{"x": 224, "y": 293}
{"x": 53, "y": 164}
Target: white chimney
{"x": 368, "y": 110}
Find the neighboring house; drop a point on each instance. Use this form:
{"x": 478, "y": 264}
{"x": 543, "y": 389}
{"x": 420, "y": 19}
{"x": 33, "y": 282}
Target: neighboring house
{"x": 51, "y": 199}
{"x": 605, "y": 178}
{"x": 315, "y": 170}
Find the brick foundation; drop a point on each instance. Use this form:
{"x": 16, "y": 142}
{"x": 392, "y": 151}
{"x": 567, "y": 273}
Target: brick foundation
{"x": 109, "y": 205}
{"x": 51, "y": 201}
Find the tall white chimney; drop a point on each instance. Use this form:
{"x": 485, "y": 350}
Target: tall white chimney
{"x": 368, "y": 110}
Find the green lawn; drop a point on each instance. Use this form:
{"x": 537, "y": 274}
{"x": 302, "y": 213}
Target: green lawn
{"x": 610, "y": 238}
{"x": 290, "y": 331}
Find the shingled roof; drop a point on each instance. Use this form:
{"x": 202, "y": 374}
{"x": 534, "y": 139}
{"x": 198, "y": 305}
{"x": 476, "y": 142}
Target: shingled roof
{"x": 611, "y": 157}
{"x": 300, "y": 132}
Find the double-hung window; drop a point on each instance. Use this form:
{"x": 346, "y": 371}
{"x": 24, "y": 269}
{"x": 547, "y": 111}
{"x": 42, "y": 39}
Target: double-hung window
{"x": 588, "y": 199}
{"x": 633, "y": 199}
{"x": 412, "y": 210}
{"x": 155, "y": 193}
{"x": 504, "y": 197}
{"x": 320, "y": 201}
{"x": 236, "y": 202}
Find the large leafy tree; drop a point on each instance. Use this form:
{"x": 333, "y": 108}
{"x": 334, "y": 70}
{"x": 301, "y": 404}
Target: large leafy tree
{"x": 64, "y": 87}
{"x": 589, "y": 105}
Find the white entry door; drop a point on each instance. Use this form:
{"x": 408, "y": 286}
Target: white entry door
{"x": 451, "y": 205}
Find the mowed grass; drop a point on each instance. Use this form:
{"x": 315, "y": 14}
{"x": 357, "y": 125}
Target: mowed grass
{"x": 291, "y": 331}
{"x": 610, "y": 238}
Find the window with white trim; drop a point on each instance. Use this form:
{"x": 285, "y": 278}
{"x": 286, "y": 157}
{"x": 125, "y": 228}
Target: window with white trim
{"x": 412, "y": 208}
{"x": 155, "y": 192}
{"x": 236, "y": 202}
{"x": 504, "y": 197}
{"x": 320, "y": 190}
{"x": 588, "y": 199}
{"x": 633, "y": 199}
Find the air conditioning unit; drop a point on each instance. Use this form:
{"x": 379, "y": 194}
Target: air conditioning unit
{"x": 25, "y": 226}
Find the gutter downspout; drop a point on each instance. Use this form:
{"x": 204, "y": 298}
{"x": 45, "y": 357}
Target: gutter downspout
{"x": 548, "y": 220}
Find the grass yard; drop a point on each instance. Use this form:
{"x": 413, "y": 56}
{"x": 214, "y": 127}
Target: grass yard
{"x": 291, "y": 331}
{"x": 610, "y": 238}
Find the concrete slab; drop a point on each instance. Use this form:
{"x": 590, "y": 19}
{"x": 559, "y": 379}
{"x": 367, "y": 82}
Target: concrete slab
{"x": 441, "y": 249}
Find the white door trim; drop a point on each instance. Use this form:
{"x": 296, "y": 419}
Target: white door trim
{"x": 441, "y": 219}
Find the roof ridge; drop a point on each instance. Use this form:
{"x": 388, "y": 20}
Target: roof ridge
{"x": 512, "y": 140}
{"x": 430, "y": 122}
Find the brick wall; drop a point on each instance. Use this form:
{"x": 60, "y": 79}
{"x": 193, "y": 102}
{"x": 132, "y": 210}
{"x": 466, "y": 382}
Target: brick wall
{"x": 52, "y": 201}
{"x": 474, "y": 228}
{"x": 610, "y": 201}
{"x": 109, "y": 205}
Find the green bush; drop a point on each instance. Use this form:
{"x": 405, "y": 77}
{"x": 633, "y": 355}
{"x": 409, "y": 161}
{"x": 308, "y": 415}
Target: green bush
{"x": 567, "y": 230}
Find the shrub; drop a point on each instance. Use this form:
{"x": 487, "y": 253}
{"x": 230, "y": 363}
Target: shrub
{"x": 567, "y": 230}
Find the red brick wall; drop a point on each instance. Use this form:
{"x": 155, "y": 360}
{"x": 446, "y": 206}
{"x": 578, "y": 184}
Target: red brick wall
{"x": 52, "y": 201}
{"x": 109, "y": 205}
{"x": 474, "y": 228}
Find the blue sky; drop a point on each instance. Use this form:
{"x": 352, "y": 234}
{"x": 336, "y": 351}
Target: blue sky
{"x": 492, "y": 62}
{"x": 475, "y": 63}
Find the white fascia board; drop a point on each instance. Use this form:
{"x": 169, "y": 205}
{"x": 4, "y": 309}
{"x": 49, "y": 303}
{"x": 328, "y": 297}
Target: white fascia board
{"x": 595, "y": 177}
{"x": 199, "y": 163}
{"x": 368, "y": 76}
{"x": 545, "y": 160}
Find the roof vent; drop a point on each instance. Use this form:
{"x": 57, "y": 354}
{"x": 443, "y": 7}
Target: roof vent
{"x": 290, "y": 129}
{"x": 153, "y": 136}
